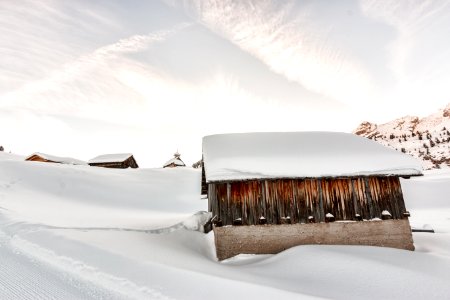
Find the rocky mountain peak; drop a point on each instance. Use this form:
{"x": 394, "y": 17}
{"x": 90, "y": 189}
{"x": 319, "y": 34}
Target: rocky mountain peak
{"x": 365, "y": 127}
{"x": 446, "y": 112}
{"x": 427, "y": 138}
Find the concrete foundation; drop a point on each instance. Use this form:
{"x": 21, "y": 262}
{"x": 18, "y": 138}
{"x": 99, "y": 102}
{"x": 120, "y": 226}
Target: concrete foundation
{"x": 271, "y": 239}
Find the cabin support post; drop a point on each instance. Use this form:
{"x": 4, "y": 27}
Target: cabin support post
{"x": 210, "y": 199}
{"x": 263, "y": 201}
{"x": 369, "y": 198}
{"x": 355, "y": 204}
{"x": 294, "y": 204}
{"x": 321, "y": 210}
{"x": 228, "y": 202}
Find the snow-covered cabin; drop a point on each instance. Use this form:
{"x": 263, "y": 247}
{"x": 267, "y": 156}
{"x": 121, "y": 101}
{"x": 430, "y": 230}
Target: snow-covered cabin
{"x": 118, "y": 161}
{"x": 175, "y": 161}
{"x": 42, "y": 157}
{"x": 302, "y": 177}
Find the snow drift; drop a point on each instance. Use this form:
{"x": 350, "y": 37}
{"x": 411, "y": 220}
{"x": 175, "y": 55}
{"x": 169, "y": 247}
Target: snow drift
{"x": 83, "y": 196}
{"x": 77, "y": 232}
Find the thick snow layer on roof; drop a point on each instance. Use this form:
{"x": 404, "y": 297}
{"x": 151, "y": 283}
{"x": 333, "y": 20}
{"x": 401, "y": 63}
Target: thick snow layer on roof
{"x": 176, "y": 161}
{"x": 244, "y": 156}
{"x": 106, "y": 158}
{"x": 58, "y": 159}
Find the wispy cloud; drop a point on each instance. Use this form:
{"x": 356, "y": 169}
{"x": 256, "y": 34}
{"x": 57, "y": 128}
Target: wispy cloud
{"x": 91, "y": 75}
{"x": 38, "y": 36}
{"x": 410, "y": 19}
{"x": 287, "y": 42}
{"x": 418, "y": 56}
{"x": 88, "y": 81}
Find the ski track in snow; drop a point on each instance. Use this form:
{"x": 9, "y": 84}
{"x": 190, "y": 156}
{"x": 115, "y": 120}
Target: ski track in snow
{"x": 22, "y": 277}
{"x": 28, "y": 271}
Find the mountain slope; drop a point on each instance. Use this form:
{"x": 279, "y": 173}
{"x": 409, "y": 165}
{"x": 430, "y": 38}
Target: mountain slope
{"x": 425, "y": 138}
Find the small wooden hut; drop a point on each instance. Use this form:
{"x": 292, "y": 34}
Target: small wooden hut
{"x": 291, "y": 187}
{"x": 174, "y": 162}
{"x": 42, "y": 157}
{"x": 117, "y": 161}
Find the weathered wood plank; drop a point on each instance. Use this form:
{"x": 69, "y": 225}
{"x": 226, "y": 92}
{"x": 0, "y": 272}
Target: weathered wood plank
{"x": 293, "y": 201}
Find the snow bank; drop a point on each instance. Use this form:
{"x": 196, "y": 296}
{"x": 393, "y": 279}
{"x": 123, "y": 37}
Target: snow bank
{"x": 427, "y": 199}
{"x": 300, "y": 154}
{"x": 86, "y": 197}
{"x": 10, "y": 156}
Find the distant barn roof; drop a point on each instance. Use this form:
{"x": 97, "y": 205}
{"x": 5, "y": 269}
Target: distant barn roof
{"x": 176, "y": 160}
{"x": 245, "y": 156}
{"x": 110, "y": 158}
{"x": 57, "y": 159}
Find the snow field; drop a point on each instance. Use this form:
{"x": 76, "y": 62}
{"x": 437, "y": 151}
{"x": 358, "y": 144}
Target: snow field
{"x": 83, "y": 196}
{"x": 73, "y": 232}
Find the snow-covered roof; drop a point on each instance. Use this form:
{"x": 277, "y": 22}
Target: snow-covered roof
{"x": 58, "y": 159}
{"x": 176, "y": 161}
{"x": 110, "y": 158}
{"x": 245, "y": 156}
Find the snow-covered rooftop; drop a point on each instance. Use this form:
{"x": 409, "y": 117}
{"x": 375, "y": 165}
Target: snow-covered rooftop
{"x": 176, "y": 161}
{"x": 106, "y": 158}
{"x": 58, "y": 159}
{"x": 245, "y": 156}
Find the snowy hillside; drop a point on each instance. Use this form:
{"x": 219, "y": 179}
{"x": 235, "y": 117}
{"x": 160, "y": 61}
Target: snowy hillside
{"x": 79, "y": 232}
{"x": 10, "y": 156}
{"x": 426, "y": 138}
{"x": 67, "y": 195}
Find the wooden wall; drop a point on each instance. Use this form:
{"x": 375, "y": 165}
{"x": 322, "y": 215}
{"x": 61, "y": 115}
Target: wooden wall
{"x": 129, "y": 163}
{"x": 38, "y": 158}
{"x": 204, "y": 188}
{"x": 295, "y": 200}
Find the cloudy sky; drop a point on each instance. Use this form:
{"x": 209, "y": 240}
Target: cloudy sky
{"x": 81, "y": 78}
